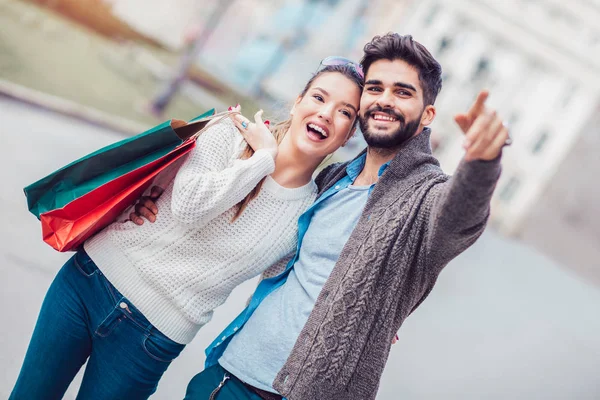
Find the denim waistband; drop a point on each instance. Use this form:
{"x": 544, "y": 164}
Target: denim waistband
{"x": 85, "y": 262}
{"x": 263, "y": 394}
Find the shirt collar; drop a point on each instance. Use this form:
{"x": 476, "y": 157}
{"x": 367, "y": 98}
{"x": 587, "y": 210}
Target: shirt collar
{"x": 356, "y": 166}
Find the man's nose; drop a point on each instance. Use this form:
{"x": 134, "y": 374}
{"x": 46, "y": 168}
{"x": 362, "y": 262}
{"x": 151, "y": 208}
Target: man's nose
{"x": 386, "y": 99}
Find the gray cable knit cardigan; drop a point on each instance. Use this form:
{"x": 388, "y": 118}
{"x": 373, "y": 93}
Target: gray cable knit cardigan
{"x": 416, "y": 220}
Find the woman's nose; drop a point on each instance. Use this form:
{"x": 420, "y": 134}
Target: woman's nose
{"x": 325, "y": 113}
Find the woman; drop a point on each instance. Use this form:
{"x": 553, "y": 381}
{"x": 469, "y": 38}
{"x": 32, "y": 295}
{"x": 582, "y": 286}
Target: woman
{"x": 134, "y": 296}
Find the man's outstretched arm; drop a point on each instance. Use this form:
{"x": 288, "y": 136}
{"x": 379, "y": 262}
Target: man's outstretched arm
{"x": 461, "y": 206}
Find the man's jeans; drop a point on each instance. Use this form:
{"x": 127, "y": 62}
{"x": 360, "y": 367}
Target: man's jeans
{"x": 83, "y": 316}
{"x": 212, "y": 384}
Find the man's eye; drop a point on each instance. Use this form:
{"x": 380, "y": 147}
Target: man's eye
{"x": 374, "y": 89}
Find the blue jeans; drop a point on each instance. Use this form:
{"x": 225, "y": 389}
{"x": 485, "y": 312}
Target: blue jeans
{"x": 211, "y": 384}
{"x": 84, "y": 317}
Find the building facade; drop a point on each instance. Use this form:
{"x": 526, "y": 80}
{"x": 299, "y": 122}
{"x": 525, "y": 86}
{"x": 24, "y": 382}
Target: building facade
{"x": 540, "y": 61}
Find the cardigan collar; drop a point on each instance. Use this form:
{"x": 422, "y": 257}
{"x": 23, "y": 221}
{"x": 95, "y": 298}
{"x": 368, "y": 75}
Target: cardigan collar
{"x": 414, "y": 154}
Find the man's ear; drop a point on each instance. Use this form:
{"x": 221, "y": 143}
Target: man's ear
{"x": 428, "y": 115}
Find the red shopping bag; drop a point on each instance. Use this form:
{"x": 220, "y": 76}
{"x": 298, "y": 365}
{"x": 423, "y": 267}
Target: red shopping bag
{"x": 68, "y": 227}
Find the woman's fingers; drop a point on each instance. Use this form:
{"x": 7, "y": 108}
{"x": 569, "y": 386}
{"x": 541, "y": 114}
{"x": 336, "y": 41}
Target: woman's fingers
{"x": 258, "y": 117}
{"x": 241, "y": 119}
{"x": 242, "y": 124}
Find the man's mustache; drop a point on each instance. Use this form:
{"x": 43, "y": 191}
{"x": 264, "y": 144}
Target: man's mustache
{"x": 388, "y": 111}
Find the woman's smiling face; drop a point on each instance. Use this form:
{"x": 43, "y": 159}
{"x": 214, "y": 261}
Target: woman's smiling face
{"x": 323, "y": 119}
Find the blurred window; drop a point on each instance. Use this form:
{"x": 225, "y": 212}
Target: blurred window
{"x": 509, "y": 189}
{"x": 445, "y": 43}
{"x": 433, "y": 13}
{"x": 482, "y": 68}
{"x": 446, "y": 78}
{"x": 513, "y": 120}
{"x": 569, "y": 93}
{"x": 540, "y": 143}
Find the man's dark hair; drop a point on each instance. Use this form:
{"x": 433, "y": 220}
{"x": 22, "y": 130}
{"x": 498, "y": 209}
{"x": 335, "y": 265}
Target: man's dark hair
{"x": 393, "y": 46}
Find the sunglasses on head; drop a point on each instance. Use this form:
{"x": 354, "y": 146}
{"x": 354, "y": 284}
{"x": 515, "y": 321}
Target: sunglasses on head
{"x": 336, "y": 60}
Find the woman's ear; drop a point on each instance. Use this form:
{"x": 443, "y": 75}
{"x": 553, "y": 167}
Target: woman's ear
{"x": 298, "y": 100}
{"x": 350, "y": 134}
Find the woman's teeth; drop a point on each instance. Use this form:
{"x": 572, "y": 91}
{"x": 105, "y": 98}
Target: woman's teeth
{"x": 318, "y": 129}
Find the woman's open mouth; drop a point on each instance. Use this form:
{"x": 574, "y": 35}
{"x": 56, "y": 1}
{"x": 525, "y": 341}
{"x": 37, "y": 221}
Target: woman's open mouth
{"x": 317, "y": 132}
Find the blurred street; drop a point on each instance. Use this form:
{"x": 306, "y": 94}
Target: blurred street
{"x": 503, "y": 322}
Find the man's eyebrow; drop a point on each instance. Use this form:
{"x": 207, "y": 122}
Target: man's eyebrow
{"x": 405, "y": 86}
{"x": 327, "y": 94}
{"x": 396, "y": 84}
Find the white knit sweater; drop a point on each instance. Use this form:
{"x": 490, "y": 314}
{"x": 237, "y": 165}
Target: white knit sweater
{"x": 177, "y": 270}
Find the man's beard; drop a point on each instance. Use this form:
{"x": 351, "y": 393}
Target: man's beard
{"x": 388, "y": 140}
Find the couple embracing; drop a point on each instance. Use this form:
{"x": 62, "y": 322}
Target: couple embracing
{"x": 345, "y": 259}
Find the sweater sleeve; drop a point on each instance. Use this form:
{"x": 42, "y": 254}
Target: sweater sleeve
{"x": 208, "y": 183}
{"x": 272, "y": 271}
{"x": 460, "y": 209}
{"x": 162, "y": 180}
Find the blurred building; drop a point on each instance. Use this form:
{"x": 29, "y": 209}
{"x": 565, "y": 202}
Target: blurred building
{"x": 540, "y": 61}
{"x": 164, "y": 21}
{"x": 565, "y": 220}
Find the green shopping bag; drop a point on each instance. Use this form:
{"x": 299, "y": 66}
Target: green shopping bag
{"x": 82, "y": 198}
{"x": 102, "y": 166}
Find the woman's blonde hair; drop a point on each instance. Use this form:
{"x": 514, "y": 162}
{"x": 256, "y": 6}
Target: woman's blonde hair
{"x": 280, "y": 129}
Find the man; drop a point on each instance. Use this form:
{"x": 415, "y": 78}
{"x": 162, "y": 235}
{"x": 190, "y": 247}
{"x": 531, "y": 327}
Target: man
{"x": 370, "y": 248}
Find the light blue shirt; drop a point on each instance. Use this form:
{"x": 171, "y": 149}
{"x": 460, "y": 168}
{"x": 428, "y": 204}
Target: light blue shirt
{"x": 216, "y": 349}
{"x": 260, "y": 350}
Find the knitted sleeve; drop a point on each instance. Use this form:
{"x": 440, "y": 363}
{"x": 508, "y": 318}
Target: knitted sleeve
{"x": 272, "y": 271}
{"x": 459, "y": 209}
{"x": 209, "y": 183}
{"x": 162, "y": 180}
{"x": 277, "y": 268}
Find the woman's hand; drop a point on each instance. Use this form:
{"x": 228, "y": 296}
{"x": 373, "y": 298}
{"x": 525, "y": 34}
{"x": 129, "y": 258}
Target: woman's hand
{"x": 256, "y": 133}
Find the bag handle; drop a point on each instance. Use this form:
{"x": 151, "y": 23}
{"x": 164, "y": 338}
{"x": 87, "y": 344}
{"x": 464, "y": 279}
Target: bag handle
{"x": 191, "y": 130}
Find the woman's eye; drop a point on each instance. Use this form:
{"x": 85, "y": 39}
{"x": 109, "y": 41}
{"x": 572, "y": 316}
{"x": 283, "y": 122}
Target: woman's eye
{"x": 346, "y": 113}
{"x": 319, "y": 98}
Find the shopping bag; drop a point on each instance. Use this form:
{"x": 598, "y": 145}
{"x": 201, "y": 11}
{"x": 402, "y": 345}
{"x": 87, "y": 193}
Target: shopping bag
{"x": 95, "y": 169}
{"x": 73, "y": 209}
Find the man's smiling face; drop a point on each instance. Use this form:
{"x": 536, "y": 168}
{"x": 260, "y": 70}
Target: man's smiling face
{"x": 392, "y": 107}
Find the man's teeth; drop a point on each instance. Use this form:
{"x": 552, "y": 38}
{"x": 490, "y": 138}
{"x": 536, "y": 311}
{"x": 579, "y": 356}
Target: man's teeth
{"x": 380, "y": 117}
{"x": 318, "y": 129}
